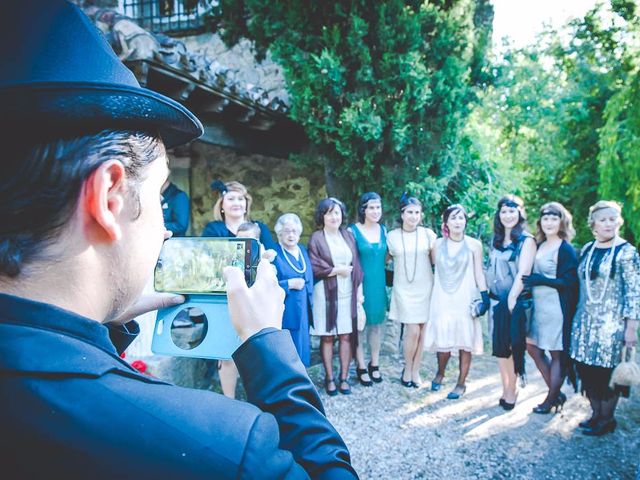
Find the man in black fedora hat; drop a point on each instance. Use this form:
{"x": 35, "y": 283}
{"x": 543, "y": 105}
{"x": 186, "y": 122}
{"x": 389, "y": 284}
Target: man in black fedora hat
{"x": 80, "y": 231}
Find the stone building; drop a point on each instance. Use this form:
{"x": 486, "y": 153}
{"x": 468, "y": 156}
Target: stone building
{"x": 242, "y": 103}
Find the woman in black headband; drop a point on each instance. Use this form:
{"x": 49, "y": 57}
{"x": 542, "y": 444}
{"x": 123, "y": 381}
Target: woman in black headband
{"x": 511, "y": 257}
{"x": 459, "y": 298}
{"x": 554, "y": 284}
{"x": 410, "y": 246}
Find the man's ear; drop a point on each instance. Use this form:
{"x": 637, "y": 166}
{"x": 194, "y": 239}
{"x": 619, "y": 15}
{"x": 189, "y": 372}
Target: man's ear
{"x": 103, "y": 199}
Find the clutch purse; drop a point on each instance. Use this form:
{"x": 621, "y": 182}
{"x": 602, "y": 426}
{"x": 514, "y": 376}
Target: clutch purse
{"x": 627, "y": 372}
{"x": 475, "y": 307}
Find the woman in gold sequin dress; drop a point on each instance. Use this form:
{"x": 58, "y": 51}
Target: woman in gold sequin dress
{"x": 607, "y": 314}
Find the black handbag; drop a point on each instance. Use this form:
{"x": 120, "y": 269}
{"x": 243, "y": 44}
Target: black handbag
{"x": 388, "y": 274}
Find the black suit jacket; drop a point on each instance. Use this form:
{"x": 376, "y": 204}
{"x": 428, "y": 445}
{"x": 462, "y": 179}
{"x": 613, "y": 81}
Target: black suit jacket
{"x": 71, "y": 407}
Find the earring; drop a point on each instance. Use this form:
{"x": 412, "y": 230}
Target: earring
{"x": 222, "y": 210}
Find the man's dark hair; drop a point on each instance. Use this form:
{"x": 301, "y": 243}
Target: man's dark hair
{"x": 41, "y": 184}
{"x": 325, "y": 205}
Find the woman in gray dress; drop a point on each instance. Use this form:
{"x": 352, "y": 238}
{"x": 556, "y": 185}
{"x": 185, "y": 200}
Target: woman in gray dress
{"x": 511, "y": 257}
{"x": 607, "y": 314}
{"x": 554, "y": 284}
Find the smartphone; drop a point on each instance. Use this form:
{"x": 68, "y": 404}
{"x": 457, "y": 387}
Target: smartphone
{"x": 194, "y": 265}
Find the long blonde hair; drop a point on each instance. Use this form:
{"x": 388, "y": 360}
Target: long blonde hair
{"x": 232, "y": 186}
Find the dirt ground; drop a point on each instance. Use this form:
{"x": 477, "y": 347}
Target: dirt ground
{"x": 397, "y": 433}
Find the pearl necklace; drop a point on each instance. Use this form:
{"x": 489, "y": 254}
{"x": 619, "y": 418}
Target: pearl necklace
{"x": 295, "y": 269}
{"x": 605, "y": 269}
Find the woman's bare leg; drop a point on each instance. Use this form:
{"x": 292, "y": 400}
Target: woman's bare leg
{"x": 374, "y": 337}
{"x": 509, "y": 379}
{"x": 360, "y": 363}
{"x": 344, "y": 346}
{"x": 411, "y": 336}
{"x": 465, "y": 364}
{"x": 326, "y": 353}
{"x": 417, "y": 356}
{"x": 443, "y": 360}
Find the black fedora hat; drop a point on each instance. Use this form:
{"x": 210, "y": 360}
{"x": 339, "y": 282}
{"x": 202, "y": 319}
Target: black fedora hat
{"x": 58, "y": 75}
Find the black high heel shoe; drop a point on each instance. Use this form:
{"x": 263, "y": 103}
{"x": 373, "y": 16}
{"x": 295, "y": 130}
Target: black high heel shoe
{"x": 506, "y": 405}
{"x": 545, "y": 408}
{"x": 405, "y": 383}
{"x": 360, "y": 372}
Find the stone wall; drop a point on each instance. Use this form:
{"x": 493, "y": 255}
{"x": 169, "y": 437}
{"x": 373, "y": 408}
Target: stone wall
{"x": 276, "y": 185}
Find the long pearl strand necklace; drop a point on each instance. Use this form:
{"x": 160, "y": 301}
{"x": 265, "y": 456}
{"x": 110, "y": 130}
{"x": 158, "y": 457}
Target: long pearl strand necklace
{"x": 605, "y": 269}
{"x": 301, "y": 258}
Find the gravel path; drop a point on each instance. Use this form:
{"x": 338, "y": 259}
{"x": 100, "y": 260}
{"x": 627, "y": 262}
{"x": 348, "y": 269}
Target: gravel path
{"x": 397, "y": 433}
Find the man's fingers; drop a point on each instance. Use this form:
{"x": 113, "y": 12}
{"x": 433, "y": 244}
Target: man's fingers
{"x": 266, "y": 272}
{"x": 166, "y": 300}
{"x": 234, "y": 279}
{"x": 269, "y": 255}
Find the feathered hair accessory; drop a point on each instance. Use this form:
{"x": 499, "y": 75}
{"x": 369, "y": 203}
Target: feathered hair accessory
{"x": 220, "y": 186}
{"x": 404, "y": 200}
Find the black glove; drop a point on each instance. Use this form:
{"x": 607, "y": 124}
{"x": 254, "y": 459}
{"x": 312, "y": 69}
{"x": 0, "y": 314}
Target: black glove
{"x": 534, "y": 279}
{"x": 485, "y": 303}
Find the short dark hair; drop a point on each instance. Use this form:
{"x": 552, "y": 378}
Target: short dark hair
{"x": 365, "y": 198}
{"x": 325, "y": 205}
{"x": 42, "y": 181}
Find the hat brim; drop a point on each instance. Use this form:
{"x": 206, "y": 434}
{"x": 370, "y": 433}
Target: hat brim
{"x": 76, "y": 108}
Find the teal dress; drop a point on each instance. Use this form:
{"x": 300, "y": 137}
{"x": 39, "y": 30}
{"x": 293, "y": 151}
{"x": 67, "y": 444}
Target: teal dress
{"x": 372, "y": 258}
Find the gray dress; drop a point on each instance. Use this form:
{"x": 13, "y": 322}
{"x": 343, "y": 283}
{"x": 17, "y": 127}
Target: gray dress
{"x": 545, "y": 330}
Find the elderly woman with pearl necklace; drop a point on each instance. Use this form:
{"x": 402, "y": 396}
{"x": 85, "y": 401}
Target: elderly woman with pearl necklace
{"x": 607, "y": 314}
{"x": 296, "y": 278}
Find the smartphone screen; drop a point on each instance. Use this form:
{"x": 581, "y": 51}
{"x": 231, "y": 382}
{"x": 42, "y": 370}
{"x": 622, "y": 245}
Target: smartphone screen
{"x": 194, "y": 265}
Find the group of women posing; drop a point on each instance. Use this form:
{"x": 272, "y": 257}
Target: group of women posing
{"x": 582, "y": 309}
{"x": 540, "y": 295}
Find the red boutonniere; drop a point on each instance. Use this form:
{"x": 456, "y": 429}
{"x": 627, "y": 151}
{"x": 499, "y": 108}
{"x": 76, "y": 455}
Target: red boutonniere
{"x": 140, "y": 366}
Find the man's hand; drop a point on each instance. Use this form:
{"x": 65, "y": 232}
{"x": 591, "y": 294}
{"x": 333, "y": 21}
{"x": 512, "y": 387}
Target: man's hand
{"x": 296, "y": 283}
{"x": 148, "y": 303}
{"x": 258, "y": 307}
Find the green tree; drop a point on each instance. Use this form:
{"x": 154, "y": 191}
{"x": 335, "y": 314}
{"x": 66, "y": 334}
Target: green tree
{"x": 548, "y": 103}
{"x": 382, "y": 88}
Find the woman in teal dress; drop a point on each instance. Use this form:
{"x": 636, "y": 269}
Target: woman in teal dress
{"x": 372, "y": 247}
